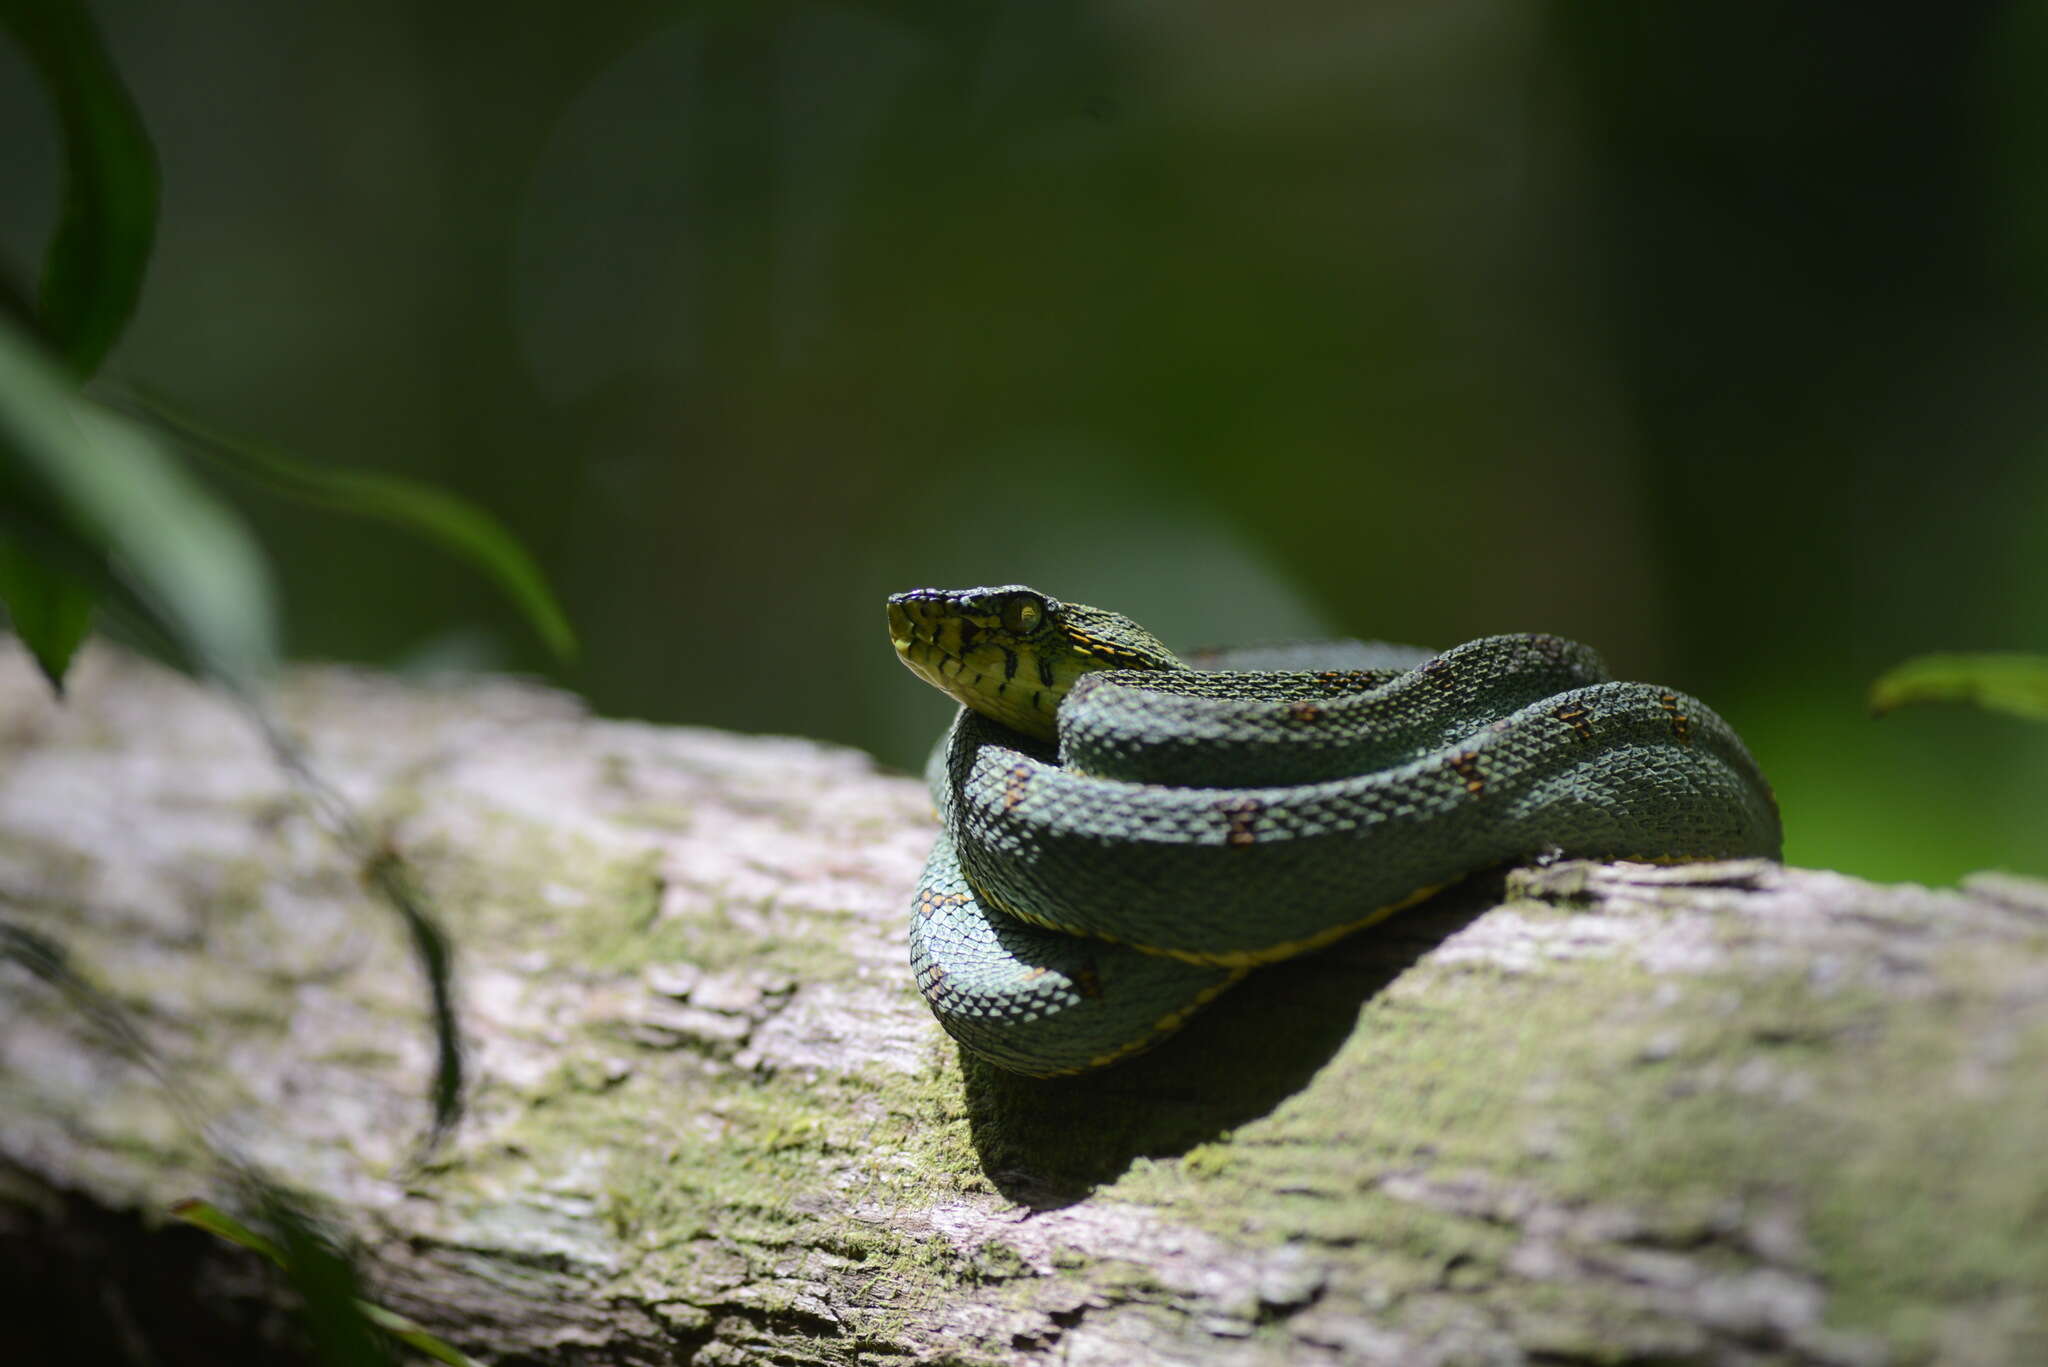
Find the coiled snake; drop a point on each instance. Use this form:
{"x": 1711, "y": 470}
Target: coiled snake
{"x": 1124, "y": 836}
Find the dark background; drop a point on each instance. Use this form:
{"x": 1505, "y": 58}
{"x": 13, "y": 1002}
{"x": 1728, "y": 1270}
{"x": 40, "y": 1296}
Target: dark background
{"x": 1711, "y": 335}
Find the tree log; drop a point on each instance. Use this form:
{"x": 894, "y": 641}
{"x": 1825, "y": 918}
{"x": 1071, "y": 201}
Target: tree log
{"x": 1574, "y": 1113}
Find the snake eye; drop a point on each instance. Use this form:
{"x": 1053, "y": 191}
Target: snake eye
{"x": 1022, "y": 614}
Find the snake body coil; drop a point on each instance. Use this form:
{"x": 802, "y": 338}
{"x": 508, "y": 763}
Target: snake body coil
{"x": 1101, "y": 876}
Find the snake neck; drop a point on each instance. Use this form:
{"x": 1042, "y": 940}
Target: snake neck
{"x": 1011, "y": 652}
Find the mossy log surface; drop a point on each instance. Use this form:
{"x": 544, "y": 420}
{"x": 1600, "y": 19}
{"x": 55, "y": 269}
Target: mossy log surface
{"x": 1579, "y": 1113}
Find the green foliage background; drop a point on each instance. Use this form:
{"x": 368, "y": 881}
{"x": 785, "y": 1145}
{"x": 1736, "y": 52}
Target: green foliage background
{"x": 1711, "y": 336}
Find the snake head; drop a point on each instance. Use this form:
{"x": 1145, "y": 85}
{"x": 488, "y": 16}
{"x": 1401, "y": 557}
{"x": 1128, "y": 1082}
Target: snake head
{"x": 1011, "y": 653}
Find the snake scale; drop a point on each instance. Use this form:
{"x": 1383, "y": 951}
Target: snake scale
{"x": 1124, "y": 836}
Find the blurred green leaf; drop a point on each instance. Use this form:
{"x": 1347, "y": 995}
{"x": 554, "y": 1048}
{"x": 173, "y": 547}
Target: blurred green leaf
{"x": 96, "y": 485}
{"x": 43, "y": 957}
{"x": 410, "y": 1334}
{"x": 2000, "y": 681}
{"x": 390, "y": 875}
{"x": 455, "y": 524}
{"x": 329, "y": 1289}
{"x": 344, "y": 1327}
{"x": 50, "y": 610}
{"x": 218, "y": 1222}
{"x": 92, "y": 274}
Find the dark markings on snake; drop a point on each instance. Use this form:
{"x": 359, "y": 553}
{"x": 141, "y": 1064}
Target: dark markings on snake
{"x": 1241, "y": 814}
{"x": 1681, "y": 725}
{"x": 1574, "y": 715}
{"x": 1466, "y": 766}
{"x": 1045, "y": 670}
{"x": 1009, "y": 664}
{"x": 1106, "y": 651}
{"x": 968, "y": 631}
{"x": 1014, "y": 784}
{"x": 1087, "y": 982}
{"x": 1304, "y": 711}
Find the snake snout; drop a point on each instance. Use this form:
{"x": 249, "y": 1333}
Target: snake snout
{"x": 901, "y": 630}
{"x": 917, "y": 618}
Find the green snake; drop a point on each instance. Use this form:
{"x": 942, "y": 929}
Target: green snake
{"x": 1125, "y": 835}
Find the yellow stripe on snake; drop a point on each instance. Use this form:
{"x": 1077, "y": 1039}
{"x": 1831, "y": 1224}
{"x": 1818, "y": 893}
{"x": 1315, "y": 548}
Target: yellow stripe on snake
{"x": 1124, "y": 836}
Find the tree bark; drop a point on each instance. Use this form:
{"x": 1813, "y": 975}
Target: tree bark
{"x": 1713, "y": 1113}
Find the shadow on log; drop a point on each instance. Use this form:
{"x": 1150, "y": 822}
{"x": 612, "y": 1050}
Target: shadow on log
{"x": 1049, "y": 1142}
